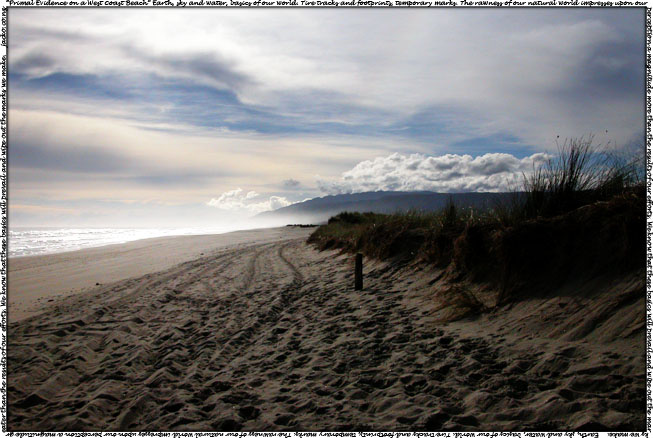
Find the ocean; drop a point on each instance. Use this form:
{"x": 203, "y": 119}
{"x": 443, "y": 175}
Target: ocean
{"x": 35, "y": 241}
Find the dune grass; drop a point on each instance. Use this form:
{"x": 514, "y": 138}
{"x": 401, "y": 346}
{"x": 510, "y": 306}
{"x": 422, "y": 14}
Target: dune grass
{"x": 580, "y": 174}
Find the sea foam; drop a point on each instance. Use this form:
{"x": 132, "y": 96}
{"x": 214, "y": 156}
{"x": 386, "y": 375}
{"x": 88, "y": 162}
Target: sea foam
{"x": 35, "y": 241}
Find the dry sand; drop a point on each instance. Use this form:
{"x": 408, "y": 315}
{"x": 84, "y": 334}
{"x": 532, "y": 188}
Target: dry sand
{"x": 272, "y": 336}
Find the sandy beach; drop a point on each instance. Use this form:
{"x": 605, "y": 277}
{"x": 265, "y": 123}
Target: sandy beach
{"x": 35, "y": 280}
{"x": 259, "y": 331}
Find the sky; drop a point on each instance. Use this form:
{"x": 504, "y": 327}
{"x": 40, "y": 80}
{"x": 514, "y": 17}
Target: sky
{"x": 192, "y": 117}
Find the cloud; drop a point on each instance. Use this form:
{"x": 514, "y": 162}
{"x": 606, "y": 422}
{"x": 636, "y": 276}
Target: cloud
{"x": 208, "y": 66}
{"x": 273, "y": 203}
{"x": 233, "y": 200}
{"x": 239, "y": 200}
{"x": 56, "y": 156}
{"x": 34, "y": 62}
{"x": 450, "y": 173}
{"x": 290, "y": 183}
{"x": 106, "y": 103}
{"x": 568, "y": 72}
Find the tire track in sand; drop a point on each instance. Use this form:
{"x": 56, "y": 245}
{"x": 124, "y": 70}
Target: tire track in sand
{"x": 169, "y": 324}
{"x": 272, "y": 300}
{"x": 299, "y": 278}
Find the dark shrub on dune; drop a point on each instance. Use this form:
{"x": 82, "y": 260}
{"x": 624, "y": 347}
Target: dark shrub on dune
{"x": 581, "y": 213}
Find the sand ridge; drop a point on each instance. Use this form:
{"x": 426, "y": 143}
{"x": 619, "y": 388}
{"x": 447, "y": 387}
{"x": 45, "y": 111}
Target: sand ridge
{"x": 272, "y": 336}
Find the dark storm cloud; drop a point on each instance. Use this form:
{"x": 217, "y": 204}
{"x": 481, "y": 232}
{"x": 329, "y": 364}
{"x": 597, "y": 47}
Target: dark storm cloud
{"x": 35, "y": 59}
{"x": 202, "y": 65}
{"x": 208, "y": 66}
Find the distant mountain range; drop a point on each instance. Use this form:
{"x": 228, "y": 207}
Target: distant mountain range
{"x": 321, "y": 209}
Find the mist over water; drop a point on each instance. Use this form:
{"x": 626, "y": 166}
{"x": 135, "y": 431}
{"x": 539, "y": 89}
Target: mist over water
{"x": 35, "y": 241}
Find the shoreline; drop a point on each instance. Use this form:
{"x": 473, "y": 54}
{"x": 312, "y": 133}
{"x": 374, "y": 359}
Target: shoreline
{"x": 269, "y": 334}
{"x": 36, "y": 281}
{"x": 101, "y": 245}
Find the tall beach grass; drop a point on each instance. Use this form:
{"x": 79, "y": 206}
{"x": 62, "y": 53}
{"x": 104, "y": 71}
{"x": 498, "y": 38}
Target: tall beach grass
{"x": 581, "y": 173}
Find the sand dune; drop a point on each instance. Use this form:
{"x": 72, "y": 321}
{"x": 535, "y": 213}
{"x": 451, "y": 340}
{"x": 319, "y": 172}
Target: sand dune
{"x": 272, "y": 336}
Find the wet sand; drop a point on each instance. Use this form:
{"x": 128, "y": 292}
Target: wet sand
{"x": 35, "y": 280}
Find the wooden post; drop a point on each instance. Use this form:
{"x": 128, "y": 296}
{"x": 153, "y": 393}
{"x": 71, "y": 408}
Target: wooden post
{"x": 358, "y": 272}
